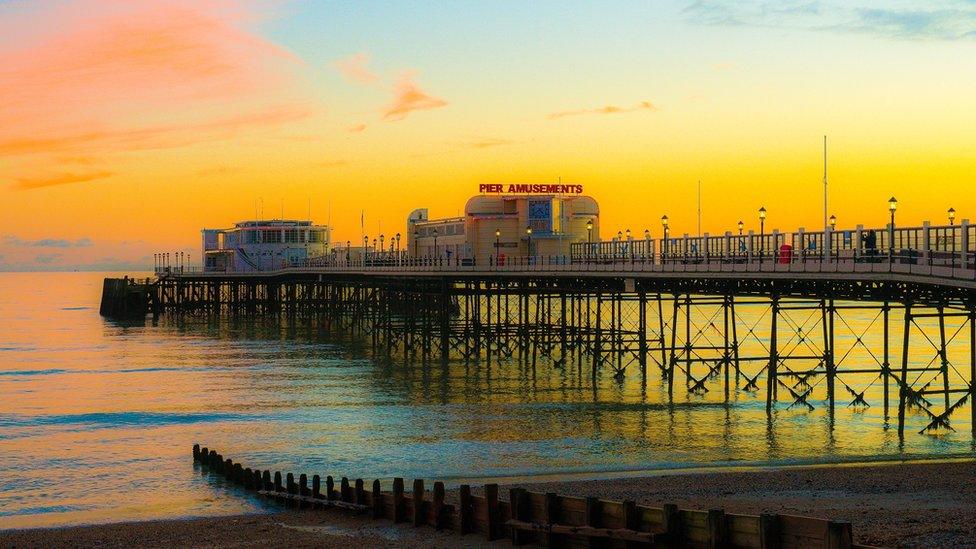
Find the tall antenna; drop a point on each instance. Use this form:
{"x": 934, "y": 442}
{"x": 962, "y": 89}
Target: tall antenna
{"x": 699, "y": 207}
{"x": 825, "y": 183}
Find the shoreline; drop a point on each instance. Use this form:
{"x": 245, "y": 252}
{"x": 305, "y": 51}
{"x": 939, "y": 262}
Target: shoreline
{"x": 927, "y": 503}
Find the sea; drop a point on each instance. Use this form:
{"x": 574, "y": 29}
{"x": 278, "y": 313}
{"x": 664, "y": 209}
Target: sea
{"x": 98, "y": 417}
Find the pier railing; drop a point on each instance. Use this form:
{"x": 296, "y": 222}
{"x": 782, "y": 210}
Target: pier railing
{"x": 942, "y": 252}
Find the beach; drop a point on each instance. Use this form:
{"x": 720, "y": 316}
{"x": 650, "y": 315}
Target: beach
{"x": 911, "y": 504}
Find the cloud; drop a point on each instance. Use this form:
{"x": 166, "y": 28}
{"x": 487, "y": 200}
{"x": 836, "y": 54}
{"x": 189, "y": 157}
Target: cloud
{"x": 13, "y": 240}
{"x": 609, "y": 109}
{"x": 486, "y": 143}
{"x": 949, "y": 20}
{"x": 47, "y": 258}
{"x": 408, "y": 97}
{"x": 59, "y": 179}
{"x": 84, "y": 82}
{"x": 357, "y": 128}
{"x": 354, "y": 69}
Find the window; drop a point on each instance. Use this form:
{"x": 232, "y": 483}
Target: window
{"x": 252, "y": 236}
{"x": 271, "y": 236}
{"x": 291, "y": 236}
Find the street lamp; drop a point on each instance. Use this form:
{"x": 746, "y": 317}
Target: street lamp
{"x": 741, "y": 225}
{"x": 833, "y": 222}
{"x": 381, "y": 242}
{"x": 952, "y": 216}
{"x": 892, "y": 206}
{"x": 348, "y": 246}
{"x": 762, "y": 232}
{"x": 365, "y": 246}
{"x": 628, "y": 234}
{"x": 664, "y": 244}
{"x": 397, "y": 237}
{"x": 435, "y": 241}
{"x": 498, "y": 235}
{"x": 528, "y": 233}
{"x": 589, "y": 231}
{"x": 416, "y": 243}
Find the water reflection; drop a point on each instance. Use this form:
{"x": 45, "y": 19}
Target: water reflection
{"x": 90, "y": 405}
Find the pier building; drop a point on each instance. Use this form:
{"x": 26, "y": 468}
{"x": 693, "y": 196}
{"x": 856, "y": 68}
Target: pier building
{"x": 508, "y": 221}
{"x": 263, "y": 245}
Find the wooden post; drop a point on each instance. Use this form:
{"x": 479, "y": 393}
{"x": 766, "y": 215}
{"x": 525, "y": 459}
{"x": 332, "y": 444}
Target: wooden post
{"x": 594, "y": 517}
{"x": 716, "y": 528}
{"x": 329, "y": 488}
{"x": 344, "y": 492}
{"x": 248, "y": 478}
{"x": 672, "y": 525}
{"x": 491, "y": 498}
{"x": 360, "y": 492}
{"x": 377, "y": 500}
{"x": 465, "y": 517}
{"x": 290, "y": 483}
{"x": 266, "y": 480}
{"x": 769, "y": 531}
{"x": 839, "y": 535}
{"x": 316, "y": 486}
{"x": 632, "y": 519}
{"x": 418, "y": 502}
{"x": 228, "y": 468}
{"x": 397, "y": 499}
{"x": 196, "y": 452}
{"x": 552, "y": 517}
{"x": 258, "y": 480}
{"x": 438, "y": 505}
{"x": 277, "y": 481}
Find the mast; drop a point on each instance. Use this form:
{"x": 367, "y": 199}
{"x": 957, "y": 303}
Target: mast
{"x": 825, "y": 183}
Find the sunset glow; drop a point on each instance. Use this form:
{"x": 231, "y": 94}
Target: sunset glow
{"x": 125, "y": 128}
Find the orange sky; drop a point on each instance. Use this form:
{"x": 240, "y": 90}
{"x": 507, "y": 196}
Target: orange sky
{"x": 125, "y": 128}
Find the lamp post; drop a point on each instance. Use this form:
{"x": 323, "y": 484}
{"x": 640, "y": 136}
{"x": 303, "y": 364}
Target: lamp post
{"x": 892, "y": 206}
{"x": 498, "y": 235}
{"x": 647, "y": 244}
{"x": 382, "y": 247}
{"x": 630, "y": 247}
{"x": 348, "y": 251}
{"x": 589, "y": 231}
{"x": 416, "y": 243}
{"x": 397, "y": 237}
{"x": 833, "y": 222}
{"x": 952, "y": 216}
{"x": 762, "y": 232}
{"x": 741, "y": 225}
{"x": 365, "y": 247}
{"x": 435, "y": 241}
{"x": 664, "y": 244}
{"x": 528, "y": 234}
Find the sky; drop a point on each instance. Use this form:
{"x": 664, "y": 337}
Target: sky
{"x": 126, "y": 127}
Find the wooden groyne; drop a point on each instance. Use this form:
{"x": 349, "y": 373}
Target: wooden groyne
{"x": 545, "y": 519}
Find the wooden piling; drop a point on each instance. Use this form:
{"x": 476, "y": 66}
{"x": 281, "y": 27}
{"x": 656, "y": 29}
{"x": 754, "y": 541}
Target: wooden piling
{"x": 438, "y": 506}
{"x": 360, "y": 492}
{"x": 316, "y": 486}
{"x": 419, "y": 518}
{"x": 494, "y": 523}
{"x": 329, "y": 488}
{"x": 344, "y": 492}
{"x": 465, "y": 511}
{"x": 377, "y": 500}
{"x": 277, "y": 482}
{"x": 398, "y": 510}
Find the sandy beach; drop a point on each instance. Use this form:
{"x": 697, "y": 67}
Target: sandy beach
{"x": 921, "y": 504}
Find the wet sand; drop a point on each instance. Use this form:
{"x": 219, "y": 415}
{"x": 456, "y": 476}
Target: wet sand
{"x": 929, "y": 504}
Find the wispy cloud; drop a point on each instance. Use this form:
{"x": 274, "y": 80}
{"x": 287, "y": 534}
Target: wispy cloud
{"x": 407, "y": 98}
{"x": 485, "y": 143}
{"x": 12, "y": 240}
{"x": 355, "y": 69}
{"x": 609, "y": 109}
{"x": 36, "y": 182}
{"x": 356, "y": 128}
{"x": 47, "y": 258}
{"x": 948, "y": 20}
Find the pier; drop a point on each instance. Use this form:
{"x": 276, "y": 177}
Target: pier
{"x": 671, "y": 308}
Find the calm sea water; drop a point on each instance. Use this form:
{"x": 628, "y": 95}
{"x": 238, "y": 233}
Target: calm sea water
{"x": 97, "y": 418}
